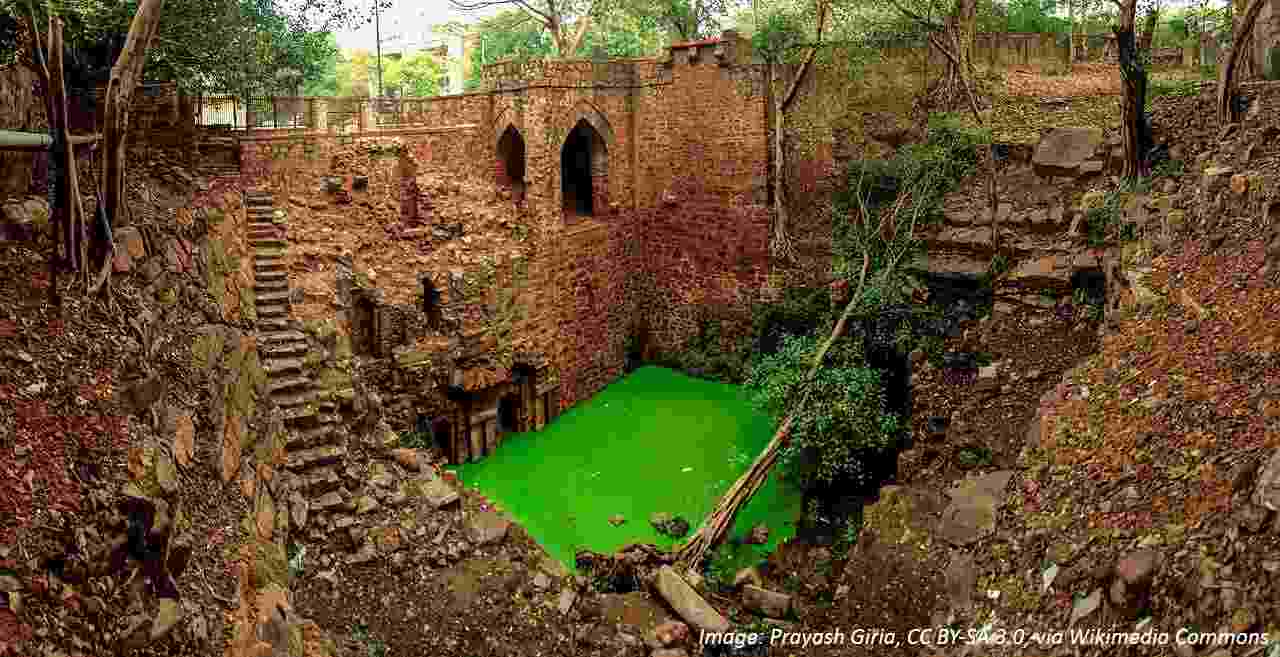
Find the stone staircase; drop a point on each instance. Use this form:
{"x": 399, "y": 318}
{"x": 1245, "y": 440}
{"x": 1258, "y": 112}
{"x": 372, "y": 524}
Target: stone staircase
{"x": 1039, "y": 232}
{"x": 219, "y": 153}
{"x": 316, "y": 445}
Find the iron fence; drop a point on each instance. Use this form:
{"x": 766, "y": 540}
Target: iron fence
{"x": 334, "y": 114}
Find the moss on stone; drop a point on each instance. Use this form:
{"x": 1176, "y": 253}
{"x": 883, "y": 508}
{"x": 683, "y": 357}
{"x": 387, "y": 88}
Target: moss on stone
{"x": 270, "y": 564}
{"x": 166, "y": 296}
{"x": 206, "y": 350}
{"x": 295, "y": 641}
{"x": 342, "y": 348}
{"x": 248, "y": 310}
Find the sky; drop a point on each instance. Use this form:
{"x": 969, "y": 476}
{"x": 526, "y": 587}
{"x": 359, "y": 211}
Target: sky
{"x": 407, "y": 26}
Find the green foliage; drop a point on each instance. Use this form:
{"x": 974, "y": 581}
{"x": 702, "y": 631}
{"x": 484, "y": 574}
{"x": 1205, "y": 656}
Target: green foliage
{"x": 925, "y": 172}
{"x": 974, "y": 456}
{"x": 1157, "y": 87}
{"x": 297, "y": 554}
{"x": 726, "y": 560}
{"x": 1035, "y": 16}
{"x": 706, "y": 356}
{"x": 630, "y": 29}
{"x": 777, "y": 35}
{"x": 1105, "y": 222}
{"x": 418, "y": 75}
{"x": 684, "y": 19}
{"x": 416, "y": 440}
{"x": 214, "y": 46}
{"x": 373, "y": 647}
{"x": 1169, "y": 169}
{"x": 999, "y": 266}
{"x": 839, "y": 421}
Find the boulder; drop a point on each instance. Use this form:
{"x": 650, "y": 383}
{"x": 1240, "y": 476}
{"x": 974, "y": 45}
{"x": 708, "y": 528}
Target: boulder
{"x": 438, "y": 493}
{"x": 975, "y": 501}
{"x": 1266, "y": 492}
{"x": 766, "y": 602}
{"x": 1063, "y": 150}
{"x": 748, "y": 575}
{"x": 668, "y": 634}
{"x": 687, "y": 603}
{"x": 409, "y": 459}
{"x": 487, "y": 527}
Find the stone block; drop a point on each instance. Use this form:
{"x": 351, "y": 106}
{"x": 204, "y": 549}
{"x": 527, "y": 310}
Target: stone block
{"x": 1063, "y": 150}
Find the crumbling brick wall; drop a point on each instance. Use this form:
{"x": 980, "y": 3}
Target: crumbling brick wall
{"x": 676, "y": 151}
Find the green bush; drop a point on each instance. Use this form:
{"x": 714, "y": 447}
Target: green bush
{"x": 927, "y": 172}
{"x": 840, "y": 425}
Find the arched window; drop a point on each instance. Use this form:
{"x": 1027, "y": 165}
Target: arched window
{"x": 510, "y": 165}
{"x": 584, "y": 167}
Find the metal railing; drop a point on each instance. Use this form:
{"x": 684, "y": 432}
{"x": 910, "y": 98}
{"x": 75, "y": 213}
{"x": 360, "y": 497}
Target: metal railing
{"x": 334, "y": 114}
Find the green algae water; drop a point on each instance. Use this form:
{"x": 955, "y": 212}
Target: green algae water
{"x": 654, "y": 441}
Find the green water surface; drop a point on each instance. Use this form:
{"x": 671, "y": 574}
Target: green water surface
{"x": 654, "y": 441}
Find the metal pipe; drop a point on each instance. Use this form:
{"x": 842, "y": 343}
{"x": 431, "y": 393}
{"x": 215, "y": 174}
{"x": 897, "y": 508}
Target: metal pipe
{"x": 14, "y": 140}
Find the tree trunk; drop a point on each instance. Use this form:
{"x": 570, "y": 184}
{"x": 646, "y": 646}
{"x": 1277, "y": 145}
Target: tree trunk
{"x": 958, "y": 34}
{"x": 1239, "y": 53}
{"x": 692, "y": 553}
{"x": 1270, "y": 37}
{"x": 125, "y": 77}
{"x": 1242, "y": 39}
{"x": 1134, "y": 88}
{"x": 780, "y": 243}
{"x": 1071, "y": 33}
{"x": 70, "y": 209}
{"x": 1153, "y": 20}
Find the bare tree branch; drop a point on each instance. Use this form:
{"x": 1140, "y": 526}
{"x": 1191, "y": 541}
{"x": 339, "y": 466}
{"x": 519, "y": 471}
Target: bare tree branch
{"x": 915, "y": 17}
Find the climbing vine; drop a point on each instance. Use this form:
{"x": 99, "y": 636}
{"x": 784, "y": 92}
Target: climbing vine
{"x": 478, "y": 282}
{"x": 507, "y": 312}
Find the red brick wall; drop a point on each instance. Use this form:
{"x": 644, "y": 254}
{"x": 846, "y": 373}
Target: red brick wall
{"x": 679, "y": 165}
{"x": 295, "y": 160}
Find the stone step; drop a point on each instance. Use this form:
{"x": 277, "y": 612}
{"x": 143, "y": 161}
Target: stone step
{"x": 297, "y": 414}
{"x": 271, "y": 275}
{"x": 330, "y": 502}
{"x": 274, "y": 366}
{"x": 268, "y": 252}
{"x": 265, "y": 233}
{"x": 309, "y": 437}
{"x": 258, "y": 205}
{"x": 269, "y": 242}
{"x": 268, "y": 298}
{"x": 294, "y": 399}
{"x": 280, "y": 336}
{"x": 287, "y": 350}
{"x": 270, "y": 263}
{"x": 319, "y": 481}
{"x": 273, "y": 323}
{"x": 274, "y": 312}
{"x": 314, "y": 457}
{"x": 270, "y": 284}
{"x": 262, "y": 225}
{"x": 288, "y": 383}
